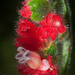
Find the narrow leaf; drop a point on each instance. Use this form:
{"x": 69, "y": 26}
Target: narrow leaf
{"x": 52, "y": 5}
{"x": 61, "y": 7}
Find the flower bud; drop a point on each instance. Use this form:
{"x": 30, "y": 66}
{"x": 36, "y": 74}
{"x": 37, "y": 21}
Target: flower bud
{"x": 44, "y": 65}
{"x": 35, "y": 60}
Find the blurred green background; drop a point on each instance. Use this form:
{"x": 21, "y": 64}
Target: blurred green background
{"x": 8, "y": 20}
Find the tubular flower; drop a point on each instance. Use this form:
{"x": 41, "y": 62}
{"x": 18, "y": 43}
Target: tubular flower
{"x": 31, "y": 63}
{"x": 32, "y": 58}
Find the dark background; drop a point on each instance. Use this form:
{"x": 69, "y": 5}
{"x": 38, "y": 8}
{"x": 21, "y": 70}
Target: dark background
{"x": 8, "y": 20}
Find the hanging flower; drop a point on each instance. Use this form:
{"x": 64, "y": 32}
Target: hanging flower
{"x": 32, "y": 58}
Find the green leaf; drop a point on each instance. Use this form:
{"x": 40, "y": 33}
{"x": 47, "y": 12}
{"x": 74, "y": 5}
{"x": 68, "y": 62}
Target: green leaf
{"x": 39, "y": 9}
{"x": 62, "y": 36}
{"x": 52, "y": 5}
{"x": 51, "y": 51}
{"x": 65, "y": 56}
{"x": 61, "y": 7}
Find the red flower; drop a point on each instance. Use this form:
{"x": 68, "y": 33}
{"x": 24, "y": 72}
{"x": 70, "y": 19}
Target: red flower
{"x": 31, "y": 37}
{"x": 55, "y": 21}
{"x": 26, "y": 70}
{"x": 25, "y": 11}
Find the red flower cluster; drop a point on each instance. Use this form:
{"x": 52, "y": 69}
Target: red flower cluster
{"x": 26, "y": 70}
{"x": 52, "y": 24}
{"x": 32, "y": 37}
